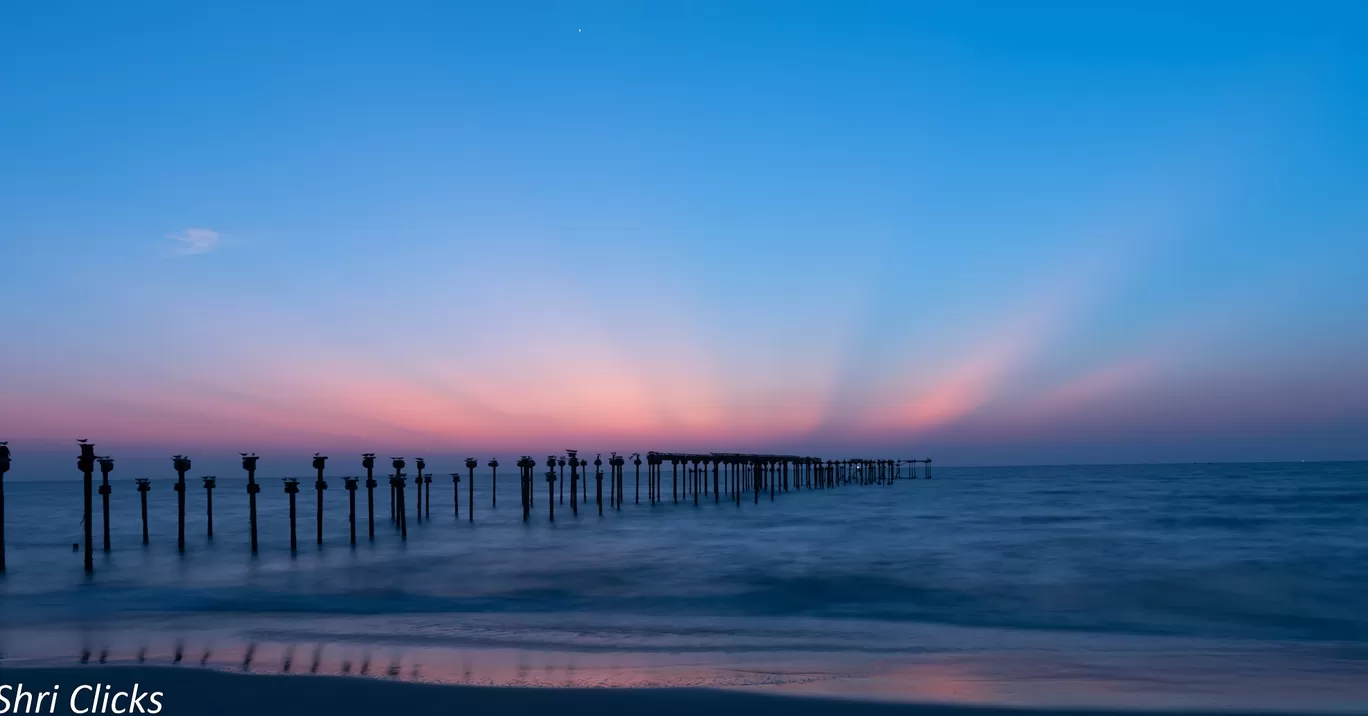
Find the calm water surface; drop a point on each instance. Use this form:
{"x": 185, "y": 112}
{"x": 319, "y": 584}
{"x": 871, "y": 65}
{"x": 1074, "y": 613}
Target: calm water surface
{"x": 1179, "y": 585}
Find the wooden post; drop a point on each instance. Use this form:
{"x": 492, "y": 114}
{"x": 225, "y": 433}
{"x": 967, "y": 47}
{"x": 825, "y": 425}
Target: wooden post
{"x": 598, "y": 479}
{"x": 144, "y": 486}
{"x": 456, "y": 492}
{"x": 636, "y": 462}
{"x": 319, "y": 486}
{"x": 526, "y": 464}
{"x": 106, "y": 467}
{"x": 618, "y": 463}
{"x": 249, "y": 463}
{"x": 349, "y": 483}
{"x": 368, "y": 462}
{"x": 182, "y": 465}
{"x": 397, "y": 487}
{"x": 86, "y": 462}
{"x": 493, "y": 483}
{"x": 419, "y": 464}
{"x": 551, "y": 485}
{"x": 427, "y": 488}
{"x": 470, "y": 463}
{"x": 209, "y": 483}
{"x": 401, "y": 498}
{"x": 551, "y": 493}
{"x": 292, "y": 489}
{"x": 574, "y": 482}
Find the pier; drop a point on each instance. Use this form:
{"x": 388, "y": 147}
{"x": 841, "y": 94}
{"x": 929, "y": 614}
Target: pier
{"x": 695, "y": 479}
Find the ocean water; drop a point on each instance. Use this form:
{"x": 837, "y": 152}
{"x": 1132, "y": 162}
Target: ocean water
{"x": 1212, "y": 586}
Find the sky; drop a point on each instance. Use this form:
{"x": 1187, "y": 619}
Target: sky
{"x": 990, "y": 233}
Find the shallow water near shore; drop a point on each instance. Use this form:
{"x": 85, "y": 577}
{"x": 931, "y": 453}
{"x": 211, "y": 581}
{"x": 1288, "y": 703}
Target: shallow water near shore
{"x": 1177, "y": 586}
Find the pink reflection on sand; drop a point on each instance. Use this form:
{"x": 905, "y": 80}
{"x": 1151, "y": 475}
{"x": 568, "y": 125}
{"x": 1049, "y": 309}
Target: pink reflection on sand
{"x": 924, "y": 682}
{"x": 1237, "y": 676}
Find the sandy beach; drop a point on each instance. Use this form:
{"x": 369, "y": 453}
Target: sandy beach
{"x": 208, "y": 692}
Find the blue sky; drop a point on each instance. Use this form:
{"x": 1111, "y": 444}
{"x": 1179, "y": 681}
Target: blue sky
{"x": 998, "y": 232}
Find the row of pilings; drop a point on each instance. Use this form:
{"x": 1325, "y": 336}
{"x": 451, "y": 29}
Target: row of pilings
{"x": 736, "y": 477}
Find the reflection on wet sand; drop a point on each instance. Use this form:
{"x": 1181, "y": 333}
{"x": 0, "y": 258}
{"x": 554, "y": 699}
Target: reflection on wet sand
{"x": 481, "y": 667}
{"x": 1202, "y": 680}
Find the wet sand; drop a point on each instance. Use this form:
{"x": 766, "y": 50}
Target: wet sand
{"x": 208, "y": 692}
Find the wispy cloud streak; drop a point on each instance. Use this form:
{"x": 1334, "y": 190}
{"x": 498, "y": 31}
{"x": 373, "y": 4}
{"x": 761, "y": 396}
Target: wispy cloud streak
{"x": 194, "y": 241}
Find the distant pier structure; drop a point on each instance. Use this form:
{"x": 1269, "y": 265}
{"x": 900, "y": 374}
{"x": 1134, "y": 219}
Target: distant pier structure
{"x": 695, "y": 478}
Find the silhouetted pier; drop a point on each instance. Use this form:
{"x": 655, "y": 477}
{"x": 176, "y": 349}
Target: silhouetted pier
{"x": 694, "y": 477}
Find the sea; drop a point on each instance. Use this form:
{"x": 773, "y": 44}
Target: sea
{"x": 1211, "y": 586}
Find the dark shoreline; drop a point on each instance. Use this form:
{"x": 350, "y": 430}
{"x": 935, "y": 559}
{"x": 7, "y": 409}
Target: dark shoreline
{"x": 208, "y": 692}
